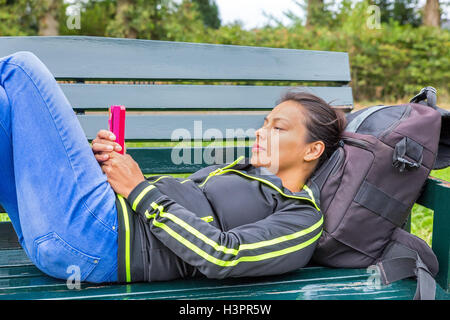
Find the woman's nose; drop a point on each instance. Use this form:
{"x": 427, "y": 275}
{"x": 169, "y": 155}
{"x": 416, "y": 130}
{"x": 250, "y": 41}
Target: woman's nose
{"x": 260, "y": 133}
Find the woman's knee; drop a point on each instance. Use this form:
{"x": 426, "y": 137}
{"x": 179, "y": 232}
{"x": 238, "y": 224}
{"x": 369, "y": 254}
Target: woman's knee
{"x": 30, "y": 64}
{"x": 23, "y": 58}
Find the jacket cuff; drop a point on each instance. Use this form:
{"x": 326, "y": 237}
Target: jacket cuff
{"x": 142, "y": 196}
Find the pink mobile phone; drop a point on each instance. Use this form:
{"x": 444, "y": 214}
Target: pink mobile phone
{"x": 117, "y": 124}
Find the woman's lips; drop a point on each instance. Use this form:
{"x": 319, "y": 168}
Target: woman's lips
{"x": 257, "y": 147}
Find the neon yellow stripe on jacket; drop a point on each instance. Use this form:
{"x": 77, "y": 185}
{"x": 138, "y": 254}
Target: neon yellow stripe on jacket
{"x": 217, "y": 171}
{"x": 233, "y": 262}
{"x": 274, "y": 186}
{"x": 226, "y": 169}
{"x": 141, "y": 195}
{"x": 249, "y": 246}
{"x": 127, "y": 238}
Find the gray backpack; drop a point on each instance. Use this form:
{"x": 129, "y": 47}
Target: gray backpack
{"x": 369, "y": 185}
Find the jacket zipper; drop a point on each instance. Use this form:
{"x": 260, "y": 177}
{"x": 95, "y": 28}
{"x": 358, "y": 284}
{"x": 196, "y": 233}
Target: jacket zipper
{"x": 226, "y": 169}
{"x": 217, "y": 171}
{"x": 273, "y": 186}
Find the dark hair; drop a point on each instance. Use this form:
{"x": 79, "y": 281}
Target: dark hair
{"x": 322, "y": 121}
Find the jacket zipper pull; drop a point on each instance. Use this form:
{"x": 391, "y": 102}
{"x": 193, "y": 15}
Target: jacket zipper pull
{"x": 218, "y": 170}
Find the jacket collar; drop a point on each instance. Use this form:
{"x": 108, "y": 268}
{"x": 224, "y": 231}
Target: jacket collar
{"x": 264, "y": 173}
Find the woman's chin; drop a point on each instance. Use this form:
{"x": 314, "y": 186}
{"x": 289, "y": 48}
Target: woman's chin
{"x": 259, "y": 161}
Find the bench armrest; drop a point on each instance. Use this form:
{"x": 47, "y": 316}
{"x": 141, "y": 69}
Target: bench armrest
{"x": 436, "y": 196}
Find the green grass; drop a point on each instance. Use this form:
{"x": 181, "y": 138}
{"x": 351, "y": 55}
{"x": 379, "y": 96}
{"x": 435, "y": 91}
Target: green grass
{"x": 421, "y": 217}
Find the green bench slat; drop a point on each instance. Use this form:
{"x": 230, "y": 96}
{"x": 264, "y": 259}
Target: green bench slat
{"x": 8, "y": 237}
{"x": 307, "y": 283}
{"x": 19, "y": 272}
{"x": 436, "y": 196}
{"x": 14, "y": 257}
{"x": 72, "y": 57}
{"x": 163, "y": 126}
{"x": 183, "y": 97}
{"x": 155, "y": 160}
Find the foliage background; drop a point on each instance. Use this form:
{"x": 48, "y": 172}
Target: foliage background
{"x": 390, "y": 62}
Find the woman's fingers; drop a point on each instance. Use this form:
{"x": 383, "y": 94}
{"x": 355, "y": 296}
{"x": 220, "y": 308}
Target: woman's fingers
{"x": 101, "y": 157}
{"x": 105, "y": 141}
{"x": 101, "y": 145}
{"x": 106, "y": 134}
{"x": 104, "y": 144}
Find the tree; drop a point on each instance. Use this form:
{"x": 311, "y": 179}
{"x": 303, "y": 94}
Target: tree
{"x": 95, "y": 15}
{"x": 402, "y": 11}
{"x": 184, "y": 23}
{"x": 141, "y": 19}
{"x": 120, "y": 26}
{"x": 315, "y": 9}
{"x": 209, "y": 12}
{"x": 318, "y": 12}
{"x": 432, "y": 14}
{"x": 30, "y": 17}
{"x": 48, "y": 16}
{"x": 16, "y": 18}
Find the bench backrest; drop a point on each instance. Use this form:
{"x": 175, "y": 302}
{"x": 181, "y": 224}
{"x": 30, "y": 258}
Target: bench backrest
{"x": 184, "y": 86}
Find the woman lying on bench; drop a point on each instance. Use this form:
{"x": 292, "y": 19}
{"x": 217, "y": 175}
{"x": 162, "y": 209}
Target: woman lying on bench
{"x": 91, "y": 208}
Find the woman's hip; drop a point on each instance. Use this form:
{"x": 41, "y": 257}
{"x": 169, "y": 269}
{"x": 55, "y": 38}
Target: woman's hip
{"x": 79, "y": 246}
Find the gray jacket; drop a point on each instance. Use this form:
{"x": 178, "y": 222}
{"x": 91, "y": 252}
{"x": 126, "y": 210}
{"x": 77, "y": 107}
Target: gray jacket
{"x": 230, "y": 220}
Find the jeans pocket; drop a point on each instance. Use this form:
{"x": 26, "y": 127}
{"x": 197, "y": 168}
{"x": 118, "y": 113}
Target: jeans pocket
{"x": 57, "y": 258}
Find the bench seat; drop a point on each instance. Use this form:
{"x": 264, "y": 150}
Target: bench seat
{"x": 20, "y": 279}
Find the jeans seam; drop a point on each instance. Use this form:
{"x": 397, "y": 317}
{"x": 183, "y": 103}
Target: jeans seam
{"x": 108, "y": 276}
{"x": 62, "y": 141}
{"x": 1, "y": 123}
{"x": 6, "y": 131}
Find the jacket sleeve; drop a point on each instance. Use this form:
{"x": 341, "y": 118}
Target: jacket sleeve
{"x": 282, "y": 242}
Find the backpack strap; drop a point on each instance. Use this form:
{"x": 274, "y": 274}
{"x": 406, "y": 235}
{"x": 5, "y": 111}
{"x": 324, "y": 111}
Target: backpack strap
{"x": 400, "y": 262}
{"x": 429, "y": 94}
{"x": 322, "y": 173}
{"x": 353, "y": 125}
{"x": 376, "y": 200}
{"x": 410, "y": 148}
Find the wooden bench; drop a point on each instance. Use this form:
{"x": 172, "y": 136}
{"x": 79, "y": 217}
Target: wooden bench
{"x": 202, "y": 90}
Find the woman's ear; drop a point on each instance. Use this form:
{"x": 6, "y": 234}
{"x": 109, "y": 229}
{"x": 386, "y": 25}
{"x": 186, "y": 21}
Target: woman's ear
{"x": 314, "y": 150}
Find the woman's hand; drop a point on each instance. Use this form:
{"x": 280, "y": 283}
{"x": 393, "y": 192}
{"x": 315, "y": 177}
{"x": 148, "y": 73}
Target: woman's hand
{"x": 104, "y": 144}
{"x": 123, "y": 173}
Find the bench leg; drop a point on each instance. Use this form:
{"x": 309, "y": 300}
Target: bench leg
{"x": 65, "y": 206}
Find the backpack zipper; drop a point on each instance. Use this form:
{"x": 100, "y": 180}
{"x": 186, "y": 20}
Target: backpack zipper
{"x": 395, "y": 125}
{"x": 357, "y": 143}
{"x": 365, "y": 145}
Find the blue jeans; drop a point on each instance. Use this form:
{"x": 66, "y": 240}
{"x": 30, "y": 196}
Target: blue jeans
{"x": 58, "y": 199}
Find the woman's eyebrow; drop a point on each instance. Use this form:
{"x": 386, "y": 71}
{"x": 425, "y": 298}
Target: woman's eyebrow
{"x": 276, "y": 118}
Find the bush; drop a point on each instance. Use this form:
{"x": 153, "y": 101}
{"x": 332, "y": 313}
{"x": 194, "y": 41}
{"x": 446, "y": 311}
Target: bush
{"x": 391, "y": 62}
